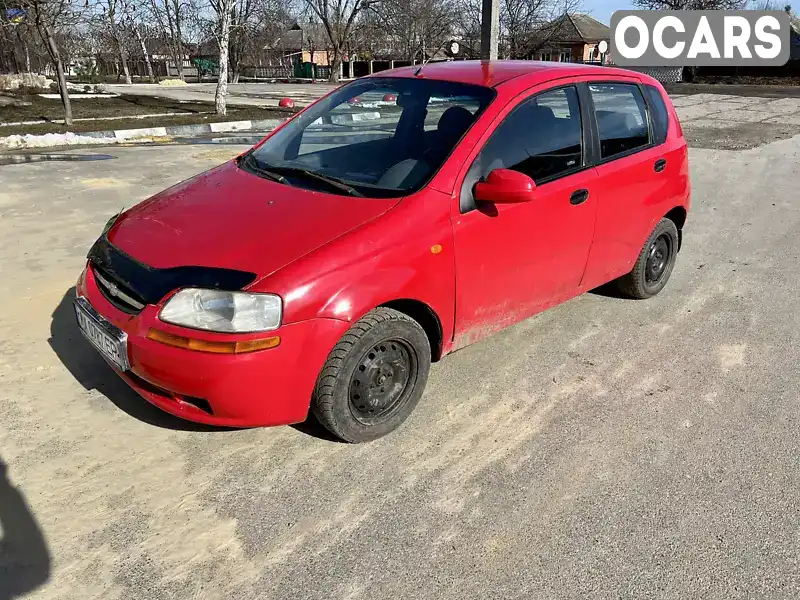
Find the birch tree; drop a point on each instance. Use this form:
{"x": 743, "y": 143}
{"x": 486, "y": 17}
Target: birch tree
{"x": 224, "y": 12}
{"x": 133, "y": 18}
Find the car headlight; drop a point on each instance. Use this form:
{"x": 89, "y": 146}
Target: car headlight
{"x": 223, "y": 312}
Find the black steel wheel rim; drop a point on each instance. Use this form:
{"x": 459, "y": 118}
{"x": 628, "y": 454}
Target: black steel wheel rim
{"x": 383, "y": 380}
{"x": 658, "y": 259}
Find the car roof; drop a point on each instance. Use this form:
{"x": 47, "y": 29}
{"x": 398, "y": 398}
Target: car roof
{"x": 491, "y": 73}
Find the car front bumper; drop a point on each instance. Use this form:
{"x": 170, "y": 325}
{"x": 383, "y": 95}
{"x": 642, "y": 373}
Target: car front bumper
{"x": 263, "y": 388}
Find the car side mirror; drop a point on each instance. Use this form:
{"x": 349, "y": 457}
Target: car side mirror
{"x": 504, "y": 186}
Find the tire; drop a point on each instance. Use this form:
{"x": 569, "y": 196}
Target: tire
{"x": 374, "y": 377}
{"x": 651, "y": 273}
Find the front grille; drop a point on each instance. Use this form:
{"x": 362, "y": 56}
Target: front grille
{"x": 117, "y": 293}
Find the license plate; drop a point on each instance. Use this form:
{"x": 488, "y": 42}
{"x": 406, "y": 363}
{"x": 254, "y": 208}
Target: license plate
{"x": 110, "y": 341}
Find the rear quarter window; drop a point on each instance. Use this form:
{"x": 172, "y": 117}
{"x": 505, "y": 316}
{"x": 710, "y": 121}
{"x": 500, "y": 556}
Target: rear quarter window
{"x": 658, "y": 114}
{"x": 621, "y": 116}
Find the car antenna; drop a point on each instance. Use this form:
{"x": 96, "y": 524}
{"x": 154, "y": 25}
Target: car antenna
{"x": 452, "y": 50}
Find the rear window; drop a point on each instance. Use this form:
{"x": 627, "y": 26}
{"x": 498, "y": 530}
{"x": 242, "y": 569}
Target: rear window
{"x": 621, "y": 118}
{"x": 658, "y": 113}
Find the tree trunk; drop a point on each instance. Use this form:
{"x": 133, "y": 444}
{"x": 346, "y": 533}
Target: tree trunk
{"x": 145, "y": 53}
{"x": 224, "y": 40}
{"x": 27, "y": 57}
{"x": 176, "y": 43}
{"x": 335, "y": 65}
{"x": 179, "y": 41}
{"x": 123, "y": 57}
{"x": 55, "y": 55}
{"x": 234, "y": 55}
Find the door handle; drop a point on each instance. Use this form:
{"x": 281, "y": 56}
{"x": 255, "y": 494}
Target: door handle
{"x": 660, "y": 165}
{"x": 579, "y": 196}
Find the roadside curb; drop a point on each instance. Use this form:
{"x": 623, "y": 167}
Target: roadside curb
{"x": 144, "y": 134}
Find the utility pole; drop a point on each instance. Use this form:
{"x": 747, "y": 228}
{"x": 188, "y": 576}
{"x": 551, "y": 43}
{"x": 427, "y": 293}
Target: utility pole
{"x": 490, "y": 29}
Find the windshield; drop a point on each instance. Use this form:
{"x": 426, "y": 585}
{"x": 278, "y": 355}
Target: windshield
{"x": 378, "y": 137}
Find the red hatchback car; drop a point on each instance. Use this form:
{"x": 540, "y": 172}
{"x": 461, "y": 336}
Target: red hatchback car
{"x": 399, "y": 218}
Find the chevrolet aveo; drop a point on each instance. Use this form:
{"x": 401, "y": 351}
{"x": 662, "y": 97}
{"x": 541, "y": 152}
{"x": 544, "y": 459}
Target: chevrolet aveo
{"x": 399, "y": 218}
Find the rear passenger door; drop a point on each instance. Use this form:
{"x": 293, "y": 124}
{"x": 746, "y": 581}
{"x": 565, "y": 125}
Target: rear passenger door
{"x": 633, "y": 177}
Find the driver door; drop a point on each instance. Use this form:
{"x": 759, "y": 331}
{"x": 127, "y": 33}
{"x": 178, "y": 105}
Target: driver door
{"x": 514, "y": 260}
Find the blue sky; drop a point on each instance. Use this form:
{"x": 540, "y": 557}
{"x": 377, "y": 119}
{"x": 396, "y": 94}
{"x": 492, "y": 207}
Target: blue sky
{"x": 602, "y": 9}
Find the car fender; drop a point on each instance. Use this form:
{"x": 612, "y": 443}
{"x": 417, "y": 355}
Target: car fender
{"x": 406, "y": 254}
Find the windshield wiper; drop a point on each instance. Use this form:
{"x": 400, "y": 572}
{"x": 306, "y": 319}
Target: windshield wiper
{"x": 252, "y": 165}
{"x": 333, "y": 182}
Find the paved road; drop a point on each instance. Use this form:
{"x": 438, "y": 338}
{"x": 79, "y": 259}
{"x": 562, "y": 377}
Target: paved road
{"x": 606, "y": 448}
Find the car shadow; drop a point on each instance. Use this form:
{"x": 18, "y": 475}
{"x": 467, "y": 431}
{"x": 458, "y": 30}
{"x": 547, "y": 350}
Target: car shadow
{"x": 313, "y": 428}
{"x": 93, "y": 373}
{"x": 608, "y": 290}
{"x": 25, "y": 562}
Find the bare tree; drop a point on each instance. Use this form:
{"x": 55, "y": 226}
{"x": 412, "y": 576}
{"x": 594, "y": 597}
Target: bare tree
{"x": 243, "y": 23}
{"x": 49, "y": 16}
{"x": 691, "y": 4}
{"x": 170, "y": 17}
{"x": 133, "y": 17}
{"x": 525, "y": 25}
{"x": 771, "y": 5}
{"x": 420, "y": 26}
{"x": 690, "y": 72}
{"x": 468, "y": 24}
{"x": 338, "y": 17}
{"x": 253, "y": 24}
{"x": 542, "y": 23}
{"x": 113, "y": 11}
{"x": 19, "y": 42}
{"x": 518, "y": 19}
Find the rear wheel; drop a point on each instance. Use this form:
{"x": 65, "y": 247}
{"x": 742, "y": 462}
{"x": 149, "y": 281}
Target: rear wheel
{"x": 654, "y": 265}
{"x": 373, "y": 377}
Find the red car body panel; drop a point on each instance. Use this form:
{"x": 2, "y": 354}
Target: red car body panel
{"x": 266, "y": 225}
{"x": 333, "y": 258}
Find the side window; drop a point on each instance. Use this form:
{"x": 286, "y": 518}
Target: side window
{"x": 621, "y": 118}
{"x": 659, "y": 114}
{"x": 371, "y": 116}
{"x": 542, "y": 137}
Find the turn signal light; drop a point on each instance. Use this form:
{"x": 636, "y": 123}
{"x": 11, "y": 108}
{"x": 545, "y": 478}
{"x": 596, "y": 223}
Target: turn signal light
{"x": 179, "y": 341}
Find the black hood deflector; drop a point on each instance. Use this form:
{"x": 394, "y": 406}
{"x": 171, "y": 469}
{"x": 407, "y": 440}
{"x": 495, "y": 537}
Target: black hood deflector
{"x": 149, "y": 284}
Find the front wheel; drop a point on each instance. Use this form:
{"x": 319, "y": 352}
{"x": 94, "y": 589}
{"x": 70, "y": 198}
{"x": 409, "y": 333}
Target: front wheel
{"x": 374, "y": 376}
{"x": 654, "y": 265}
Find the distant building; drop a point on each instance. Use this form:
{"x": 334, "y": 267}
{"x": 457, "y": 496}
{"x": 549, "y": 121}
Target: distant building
{"x": 304, "y": 43}
{"x": 571, "y": 38}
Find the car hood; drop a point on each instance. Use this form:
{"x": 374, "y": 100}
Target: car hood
{"x": 229, "y": 218}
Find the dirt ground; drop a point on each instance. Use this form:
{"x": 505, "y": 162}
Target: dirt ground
{"x": 605, "y": 449}
{"x": 748, "y": 80}
{"x": 190, "y": 112}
